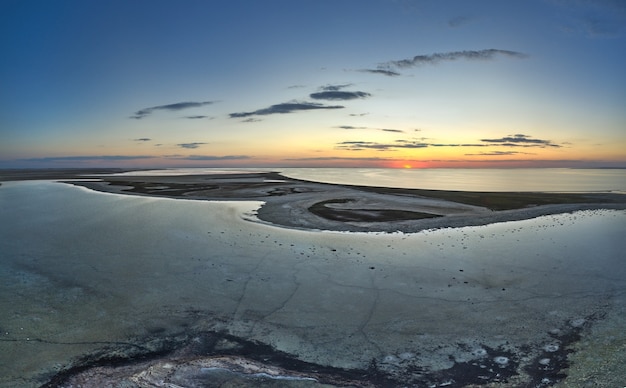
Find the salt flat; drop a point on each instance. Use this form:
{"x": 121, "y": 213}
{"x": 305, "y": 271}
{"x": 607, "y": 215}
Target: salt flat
{"x": 108, "y": 275}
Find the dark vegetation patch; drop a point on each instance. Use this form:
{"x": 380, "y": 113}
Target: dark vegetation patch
{"x": 230, "y": 186}
{"x": 551, "y": 365}
{"x": 217, "y": 344}
{"x": 236, "y": 185}
{"x": 497, "y": 366}
{"x": 198, "y": 184}
{"x": 364, "y": 215}
{"x": 503, "y": 200}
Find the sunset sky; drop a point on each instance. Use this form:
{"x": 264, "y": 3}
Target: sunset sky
{"x": 329, "y": 83}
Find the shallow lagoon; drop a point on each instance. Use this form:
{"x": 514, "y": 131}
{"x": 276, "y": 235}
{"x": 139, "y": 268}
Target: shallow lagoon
{"x": 82, "y": 271}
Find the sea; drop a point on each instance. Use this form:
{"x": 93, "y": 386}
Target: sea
{"x": 518, "y": 180}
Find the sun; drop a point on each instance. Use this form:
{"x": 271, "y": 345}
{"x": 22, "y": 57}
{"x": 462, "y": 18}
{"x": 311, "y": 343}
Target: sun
{"x": 407, "y": 166}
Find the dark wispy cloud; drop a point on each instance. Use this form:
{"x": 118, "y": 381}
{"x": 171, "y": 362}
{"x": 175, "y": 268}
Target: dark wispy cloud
{"x": 88, "y": 158}
{"x": 457, "y": 145}
{"x": 390, "y": 68}
{"x": 359, "y": 114}
{"x": 331, "y": 158}
{"x": 214, "y": 158}
{"x": 359, "y": 145}
{"x": 287, "y": 107}
{"x": 594, "y": 18}
{"x": 499, "y": 153}
{"x": 349, "y": 127}
{"x": 142, "y": 139}
{"x": 338, "y": 95}
{"x": 190, "y": 145}
{"x": 379, "y": 129}
{"x": 335, "y": 92}
{"x": 330, "y": 88}
{"x": 459, "y": 21}
{"x": 433, "y": 59}
{"x": 387, "y": 72}
{"x": 196, "y": 117}
{"x": 251, "y": 120}
{"x": 517, "y": 140}
{"x": 140, "y": 114}
{"x": 520, "y": 140}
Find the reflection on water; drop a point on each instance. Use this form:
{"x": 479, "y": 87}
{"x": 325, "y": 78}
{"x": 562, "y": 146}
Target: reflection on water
{"x": 523, "y": 179}
{"x": 94, "y": 273}
{"x": 470, "y": 179}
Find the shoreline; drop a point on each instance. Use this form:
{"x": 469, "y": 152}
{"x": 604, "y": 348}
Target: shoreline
{"x": 299, "y": 204}
{"x": 307, "y": 205}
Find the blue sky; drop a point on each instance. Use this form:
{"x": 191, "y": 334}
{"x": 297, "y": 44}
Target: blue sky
{"x": 378, "y": 83}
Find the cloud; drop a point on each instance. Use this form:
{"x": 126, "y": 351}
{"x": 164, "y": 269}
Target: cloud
{"x": 213, "y": 157}
{"x": 517, "y": 140}
{"x": 381, "y": 129}
{"x": 196, "y": 117}
{"x": 359, "y": 114}
{"x": 190, "y": 145}
{"x": 359, "y": 145}
{"x": 601, "y": 27}
{"x": 350, "y": 127}
{"x": 142, "y": 139}
{"x": 458, "y": 145}
{"x": 251, "y": 120}
{"x": 433, "y": 59}
{"x": 140, "y": 114}
{"x": 287, "y": 107}
{"x": 335, "y": 92}
{"x": 459, "y": 21}
{"x": 387, "y": 72}
{"x": 593, "y": 18}
{"x": 520, "y": 140}
{"x": 390, "y": 68}
{"x": 499, "y": 153}
{"x": 330, "y": 158}
{"x": 338, "y": 95}
{"x": 331, "y": 88}
{"x": 87, "y": 158}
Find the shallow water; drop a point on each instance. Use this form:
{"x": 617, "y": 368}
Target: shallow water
{"x": 82, "y": 271}
{"x": 492, "y": 179}
{"x": 464, "y": 179}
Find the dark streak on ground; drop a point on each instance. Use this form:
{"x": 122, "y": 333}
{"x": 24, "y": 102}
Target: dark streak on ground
{"x": 364, "y": 215}
{"x": 496, "y": 367}
{"x": 216, "y": 344}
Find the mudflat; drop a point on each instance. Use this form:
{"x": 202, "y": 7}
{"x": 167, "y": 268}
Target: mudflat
{"x": 302, "y": 204}
{"x": 108, "y": 289}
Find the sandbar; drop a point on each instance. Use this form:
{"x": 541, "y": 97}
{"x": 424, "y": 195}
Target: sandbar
{"x": 303, "y": 204}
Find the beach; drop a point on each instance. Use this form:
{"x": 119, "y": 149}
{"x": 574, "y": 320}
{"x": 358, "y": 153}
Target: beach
{"x": 303, "y": 204}
{"x": 284, "y": 281}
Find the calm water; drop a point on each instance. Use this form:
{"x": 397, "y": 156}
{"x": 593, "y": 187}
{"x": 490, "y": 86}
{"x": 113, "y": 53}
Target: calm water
{"x": 523, "y": 179}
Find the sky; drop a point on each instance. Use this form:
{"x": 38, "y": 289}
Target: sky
{"x": 302, "y": 83}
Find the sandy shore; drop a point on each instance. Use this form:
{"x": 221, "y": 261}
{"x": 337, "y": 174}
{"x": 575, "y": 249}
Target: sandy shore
{"x": 309, "y": 205}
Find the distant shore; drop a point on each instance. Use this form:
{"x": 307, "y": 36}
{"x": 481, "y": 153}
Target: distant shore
{"x": 320, "y": 206}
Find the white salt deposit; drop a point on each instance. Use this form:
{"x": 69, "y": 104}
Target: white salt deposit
{"x": 91, "y": 269}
